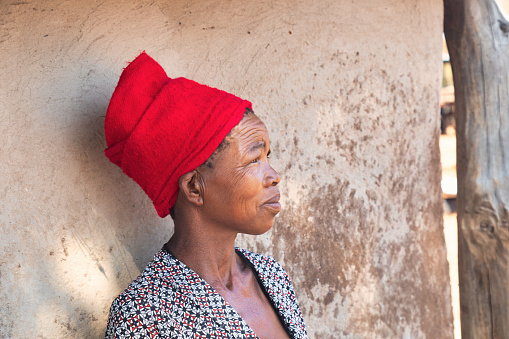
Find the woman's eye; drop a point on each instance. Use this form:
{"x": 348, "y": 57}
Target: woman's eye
{"x": 254, "y": 161}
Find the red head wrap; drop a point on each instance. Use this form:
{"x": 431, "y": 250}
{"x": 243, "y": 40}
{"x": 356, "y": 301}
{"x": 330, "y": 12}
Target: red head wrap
{"x": 158, "y": 129}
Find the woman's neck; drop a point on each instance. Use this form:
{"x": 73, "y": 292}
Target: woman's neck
{"x": 207, "y": 251}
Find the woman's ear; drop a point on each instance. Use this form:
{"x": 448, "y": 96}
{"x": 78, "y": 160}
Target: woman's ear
{"x": 190, "y": 185}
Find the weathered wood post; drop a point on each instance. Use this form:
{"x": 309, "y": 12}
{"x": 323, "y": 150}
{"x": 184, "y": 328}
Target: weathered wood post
{"x": 477, "y": 38}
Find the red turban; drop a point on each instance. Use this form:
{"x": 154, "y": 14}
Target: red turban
{"x": 158, "y": 129}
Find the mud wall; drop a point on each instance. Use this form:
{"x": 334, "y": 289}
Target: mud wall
{"x": 349, "y": 92}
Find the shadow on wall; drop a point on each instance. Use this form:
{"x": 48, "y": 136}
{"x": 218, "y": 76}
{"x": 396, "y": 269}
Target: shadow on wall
{"x": 101, "y": 228}
{"x": 124, "y": 216}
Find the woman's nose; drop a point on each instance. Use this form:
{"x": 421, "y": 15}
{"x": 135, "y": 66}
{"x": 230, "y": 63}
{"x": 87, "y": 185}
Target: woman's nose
{"x": 271, "y": 178}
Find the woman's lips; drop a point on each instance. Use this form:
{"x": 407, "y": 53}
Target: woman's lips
{"x": 273, "y": 204}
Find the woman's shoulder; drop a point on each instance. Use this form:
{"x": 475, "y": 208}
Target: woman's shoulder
{"x": 156, "y": 281}
{"x": 147, "y": 304}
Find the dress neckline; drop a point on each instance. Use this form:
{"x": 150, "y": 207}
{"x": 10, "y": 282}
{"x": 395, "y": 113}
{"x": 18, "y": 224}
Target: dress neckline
{"x": 260, "y": 281}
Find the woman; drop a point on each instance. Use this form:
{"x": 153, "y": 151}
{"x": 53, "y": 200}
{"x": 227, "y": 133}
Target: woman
{"x": 202, "y": 156}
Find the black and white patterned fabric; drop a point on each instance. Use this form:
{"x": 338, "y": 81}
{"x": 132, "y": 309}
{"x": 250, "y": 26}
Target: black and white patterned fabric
{"x": 169, "y": 300}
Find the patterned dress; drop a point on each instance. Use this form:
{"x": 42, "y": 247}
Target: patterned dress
{"x": 169, "y": 300}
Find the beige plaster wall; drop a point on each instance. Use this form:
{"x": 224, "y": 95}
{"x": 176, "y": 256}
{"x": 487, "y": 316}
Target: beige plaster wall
{"x": 349, "y": 91}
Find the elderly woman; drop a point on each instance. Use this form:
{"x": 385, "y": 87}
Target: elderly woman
{"x": 202, "y": 156}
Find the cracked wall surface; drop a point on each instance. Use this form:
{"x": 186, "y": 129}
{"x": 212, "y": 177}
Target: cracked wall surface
{"x": 349, "y": 92}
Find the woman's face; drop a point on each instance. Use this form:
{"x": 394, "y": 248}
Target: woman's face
{"x": 239, "y": 191}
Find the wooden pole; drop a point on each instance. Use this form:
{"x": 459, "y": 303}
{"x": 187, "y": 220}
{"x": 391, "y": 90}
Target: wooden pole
{"x": 477, "y": 39}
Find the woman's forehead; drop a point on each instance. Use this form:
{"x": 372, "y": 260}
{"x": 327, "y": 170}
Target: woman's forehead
{"x": 251, "y": 132}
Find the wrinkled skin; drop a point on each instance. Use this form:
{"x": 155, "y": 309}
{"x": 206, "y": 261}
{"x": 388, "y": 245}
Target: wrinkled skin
{"x": 240, "y": 192}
